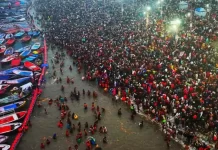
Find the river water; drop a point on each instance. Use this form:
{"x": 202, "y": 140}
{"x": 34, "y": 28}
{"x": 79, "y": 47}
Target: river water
{"x": 123, "y": 133}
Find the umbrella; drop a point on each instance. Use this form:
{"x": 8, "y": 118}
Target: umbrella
{"x": 200, "y": 12}
{"x": 183, "y": 5}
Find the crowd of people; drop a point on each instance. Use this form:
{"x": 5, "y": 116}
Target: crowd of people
{"x": 172, "y": 77}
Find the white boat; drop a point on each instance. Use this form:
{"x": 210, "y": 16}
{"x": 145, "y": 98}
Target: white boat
{"x": 4, "y": 147}
{"x": 8, "y": 36}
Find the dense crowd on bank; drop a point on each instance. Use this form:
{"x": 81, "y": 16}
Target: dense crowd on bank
{"x": 169, "y": 74}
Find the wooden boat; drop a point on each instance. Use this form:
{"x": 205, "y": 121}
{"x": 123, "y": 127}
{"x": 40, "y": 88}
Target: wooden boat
{"x": 9, "y": 51}
{"x": 36, "y": 33}
{"x": 25, "y": 53}
{"x": 10, "y": 71}
{"x": 22, "y": 49}
{"x": 26, "y": 38}
{"x": 32, "y": 66}
{"x": 11, "y": 98}
{"x": 35, "y": 46}
{"x": 15, "y": 81}
{"x": 12, "y": 117}
{"x": 2, "y": 49}
{"x": 10, "y": 42}
{"x": 23, "y": 73}
{"x": 2, "y": 41}
{"x": 3, "y": 138}
{"x": 3, "y": 88}
{"x": 9, "y": 58}
{"x": 4, "y": 147}
{"x": 16, "y": 62}
{"x": 19, "y": 34}
{"x": 6, "y": 128}
{"x": 8, "y": 36}
{"x": 12, "y": 106}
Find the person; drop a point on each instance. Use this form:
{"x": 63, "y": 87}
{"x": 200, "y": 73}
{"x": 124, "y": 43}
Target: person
{"x": 97, "y": 108}
{"x": 132, "y": 116}
{"x": 67, "y": 133}
{"x": 70, "y": 68}
{"x": 88, "y": 145}
{"x": 93, "y": 106}
{"x": 62, "y": 88}
{"x": 73, "y": 115}
{"x": 76, "y": 146}
{"x": 103, "y": 110}
{"x": 69, "y": 148}
{"x": 48, "y": 141}
{"x": 84, "y": 92}
{"x": 89, "y": 93}
{"x": 54, "y": 136}
{"x": 141, "y": 123}
{"x": 85, "y": 132}
{"x": 42, "y": 145}
{"x": 105, "y": 139}
{"x": 119, "y": 112}
{"x": 86, "y": 125}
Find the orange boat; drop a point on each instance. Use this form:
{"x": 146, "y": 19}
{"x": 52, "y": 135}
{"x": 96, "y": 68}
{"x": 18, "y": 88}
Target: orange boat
{"x": 6, "y": 128}
{"x": 12, "y": 117}
{"x": 10, "y": 42}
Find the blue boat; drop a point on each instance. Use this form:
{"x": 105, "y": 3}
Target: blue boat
{"x": 2, "y": 35}
{"x": 6, "y": 76}
{"x": 15, "y": 81}
{"x": 12, "y": 106}
{"x": 19, "y": 34}
{"x": 9, "y": 51}
{"x": 23, "y": 73}
{"x": 25, "y": 53}
{"x": 30, "y": 33}
{"x": 2, "y": 40}
{"x": 30, "y": 58}
{"x": 35, "y": 46}
{"x": 22, "y": 49}
{"x": 36, "y": 33}
{"x": 10, "y": 71}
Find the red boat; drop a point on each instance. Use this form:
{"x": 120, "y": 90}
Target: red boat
{"x": 6, "y": 128}
{"x": 2, "y": 49}
{"x": 26, "y": 38}
{"x": 10, "y": 42}
{"x": 12, "y": 117}
{"x": 3, "y": 88}
{"x": 32, "y": 66}
{"x": 15, "y": 62}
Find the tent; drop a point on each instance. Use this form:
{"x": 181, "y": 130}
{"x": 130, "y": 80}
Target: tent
{"x": 200, "y": 12}
{"x": 183, "y": 5}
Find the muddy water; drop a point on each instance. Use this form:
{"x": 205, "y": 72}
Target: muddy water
{"x": 123, "y": 133}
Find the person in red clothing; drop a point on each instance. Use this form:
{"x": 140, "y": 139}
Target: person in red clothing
{"x": 42, "y": 145}
{"x": 88, "y": 145}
